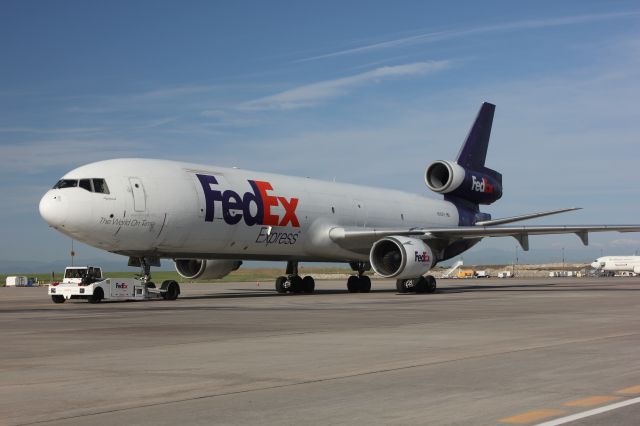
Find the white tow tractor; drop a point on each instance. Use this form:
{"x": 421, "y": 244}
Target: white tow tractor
{"x": 87, "y": 282}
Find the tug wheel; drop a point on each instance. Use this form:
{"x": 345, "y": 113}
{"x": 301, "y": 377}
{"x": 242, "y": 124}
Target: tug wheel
{"x": 97, "y": 296}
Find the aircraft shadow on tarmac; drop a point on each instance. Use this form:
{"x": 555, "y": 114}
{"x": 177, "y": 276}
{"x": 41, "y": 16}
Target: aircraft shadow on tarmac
{"x": 542, "y": 287}
{"x": 267, "y": 292}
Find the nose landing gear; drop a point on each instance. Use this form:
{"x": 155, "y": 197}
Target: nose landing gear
{"x": 169, "y": 290}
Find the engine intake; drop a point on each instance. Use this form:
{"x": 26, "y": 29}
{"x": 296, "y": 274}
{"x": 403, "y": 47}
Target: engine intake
{"x": 193, "y": 269}
{"x": 447, "y": 177}
{"x": 401, "y": 257}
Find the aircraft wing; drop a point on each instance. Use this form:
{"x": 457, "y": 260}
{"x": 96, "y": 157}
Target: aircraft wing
{"x": 360, "y": 236}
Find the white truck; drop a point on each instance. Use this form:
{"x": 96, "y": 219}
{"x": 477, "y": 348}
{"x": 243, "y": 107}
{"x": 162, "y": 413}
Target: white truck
{"x": 87, "y": 282}
{"x": 505, "y": 274}
{"x": 17, "y": 281}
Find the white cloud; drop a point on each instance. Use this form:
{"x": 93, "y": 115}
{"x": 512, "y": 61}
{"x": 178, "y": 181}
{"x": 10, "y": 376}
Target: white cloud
{"x": 60, "y": 154}
{"x": 458, "y": 33}
{"x": 312, "y": 94}
{"x": 73, "y": 130}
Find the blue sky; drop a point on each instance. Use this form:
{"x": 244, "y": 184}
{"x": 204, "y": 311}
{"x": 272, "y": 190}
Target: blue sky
{"x": 364, "y": 92}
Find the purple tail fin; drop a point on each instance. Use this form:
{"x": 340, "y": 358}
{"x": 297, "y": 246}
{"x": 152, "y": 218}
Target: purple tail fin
{"x": 474, "y": 150}
{"x": 481, "y": 185}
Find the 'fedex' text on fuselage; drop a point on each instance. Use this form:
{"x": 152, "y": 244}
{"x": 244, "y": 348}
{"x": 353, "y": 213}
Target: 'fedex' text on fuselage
{"x": 235, "y": 207}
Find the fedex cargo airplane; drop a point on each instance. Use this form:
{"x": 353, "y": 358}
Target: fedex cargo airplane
{"x": 208, "y": 219}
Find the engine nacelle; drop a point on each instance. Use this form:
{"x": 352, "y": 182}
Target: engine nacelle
{"x": 193, "y": 269}
{"x": 448, "y": 177}
{"x": 636, "y": 269}
{"x": 401, "y": 257}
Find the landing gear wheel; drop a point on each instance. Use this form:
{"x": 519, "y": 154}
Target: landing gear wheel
{"x": 57, "y": 298}
{"x": 97, "y": 296}
{"x": 172, "y": 290}
{"x": 364, "y": 284}
{"x": 430, "y": 284}
{"x": 280, "y": 285}
{"x": 353, "y": 284}
{"x": 401, "y": 286}
{"x": 308, "y": 284}
{"x": 296, "y": 284}
{"x": 420, "y": 285}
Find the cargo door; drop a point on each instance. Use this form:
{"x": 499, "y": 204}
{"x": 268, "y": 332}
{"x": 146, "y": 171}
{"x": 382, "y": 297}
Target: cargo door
{"x": 139, "y": 197}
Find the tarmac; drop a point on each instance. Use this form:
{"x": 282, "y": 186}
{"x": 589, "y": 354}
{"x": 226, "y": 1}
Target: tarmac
{"x": 477, "y": 352}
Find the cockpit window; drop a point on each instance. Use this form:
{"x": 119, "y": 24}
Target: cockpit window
{"x": 91, "y": 185}
{"x": 86, "y": 184}
{"x": 99, "y": 185}
{"x": 66, "y": 183}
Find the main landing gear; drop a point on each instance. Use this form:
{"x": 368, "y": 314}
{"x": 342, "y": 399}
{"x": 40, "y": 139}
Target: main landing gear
{"x": 418, "y": 285}
{"x": 359, "y": 283}
{"x": 293, "y": 282}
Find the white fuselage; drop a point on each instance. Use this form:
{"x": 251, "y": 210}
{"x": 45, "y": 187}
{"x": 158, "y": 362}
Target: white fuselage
{"x": 178, "y": 210}
{"x": 617, "y": 263}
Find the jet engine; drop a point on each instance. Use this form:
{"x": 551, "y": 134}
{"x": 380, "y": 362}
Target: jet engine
{"x": 192, "y": 269}
{"x": 401, "y": 257}
{"x": 447, "y": 177}
{"x": 636, "y": 269}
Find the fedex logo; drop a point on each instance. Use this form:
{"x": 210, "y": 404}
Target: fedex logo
{"x": 422, "y": 258}
{"x": 481, "y": 185}
{"x": 236, "y": 207}
{"x": 121, "y": 285}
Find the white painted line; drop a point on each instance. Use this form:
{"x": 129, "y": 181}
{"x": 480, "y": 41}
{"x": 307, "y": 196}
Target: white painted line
{"x": 573, "y": 417}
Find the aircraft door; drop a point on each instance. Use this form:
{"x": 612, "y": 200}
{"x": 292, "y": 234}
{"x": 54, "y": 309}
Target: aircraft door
{"x": 139, "y": 197}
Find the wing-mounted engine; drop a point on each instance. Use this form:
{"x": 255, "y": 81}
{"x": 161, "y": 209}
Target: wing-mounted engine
{"x": 450, "y": 178}
{"x": 401, "y": 257}
{"x": 193, "y": 269}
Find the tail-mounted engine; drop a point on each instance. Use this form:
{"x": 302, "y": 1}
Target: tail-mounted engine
{"x": 450, "y": 178}
{"x": 193, "y": 269}
{"x": 401, "y": 257}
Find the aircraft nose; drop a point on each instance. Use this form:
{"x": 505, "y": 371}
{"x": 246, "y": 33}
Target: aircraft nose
{"x": 53, "y": 208}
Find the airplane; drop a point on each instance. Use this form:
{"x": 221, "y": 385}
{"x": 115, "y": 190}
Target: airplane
{"x": 617, "y": 264}
{"x": 209, "y": 219}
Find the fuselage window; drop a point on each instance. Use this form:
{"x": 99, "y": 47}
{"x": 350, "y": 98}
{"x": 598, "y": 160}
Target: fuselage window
{"x": 100, "y": 186}
{"x": 66, "y": 183}
{"x": 86, "y": 184}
